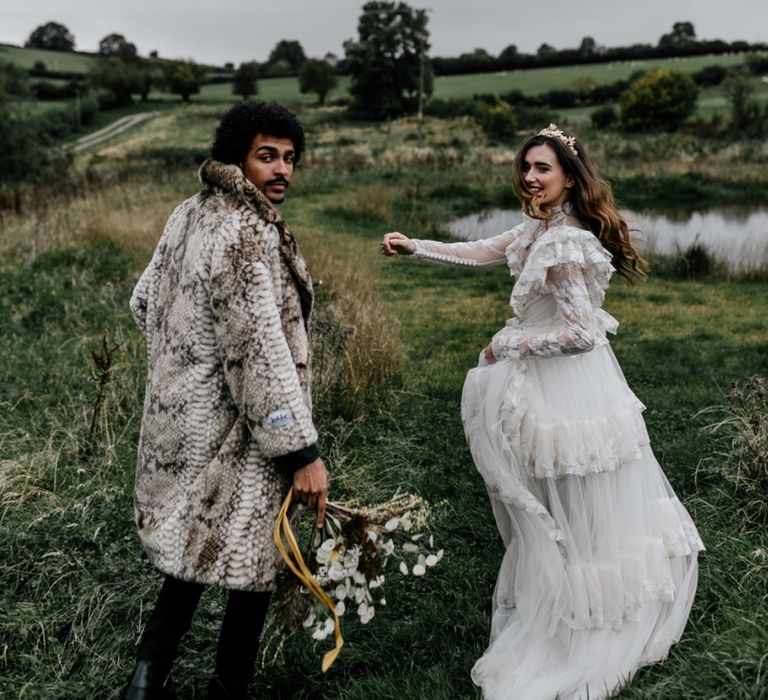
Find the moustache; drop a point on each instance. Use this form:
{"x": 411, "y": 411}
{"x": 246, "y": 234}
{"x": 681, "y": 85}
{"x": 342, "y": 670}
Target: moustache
{"x": 277, "y": 181}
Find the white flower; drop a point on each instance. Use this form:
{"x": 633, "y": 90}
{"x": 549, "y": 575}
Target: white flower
{"x": 440, "y": 555}
{"x": 391, "y": 524}
{"x": 403, "y": 568}
{"x": 310, "y": 619}
{"x": 358, "y": 577}
{"x": 421, "y": 560}
{"x": 406, "y": 522}
{"x": 320, "y": 633}
{"x": 372, "y": 535}
{"x": 351, "y": 559}
{"x": 410, "y": 547}
{"x": 431, "y": 541}
{"x": 325, "y": 550}
{"x": 336, "y": 572}
{"x": 375, "y": 583}
{"x": 365, "y": 612}
{"x": 383, "y": 601}
{"x": 341, "y": 592}
{"x": 340, "y": 608}
{"x": 431, "y": 560}
{"x": 416, "y": 538}
{"x": 419, "y": 570}
{"x": 388, "y": 547}
{"x": 360, "y": 594}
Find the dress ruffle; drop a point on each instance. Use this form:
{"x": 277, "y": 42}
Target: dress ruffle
{"x": 533, "y": 252}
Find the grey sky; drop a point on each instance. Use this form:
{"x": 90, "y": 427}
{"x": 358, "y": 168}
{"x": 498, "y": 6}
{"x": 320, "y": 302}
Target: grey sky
{"x": 217, "y": 31}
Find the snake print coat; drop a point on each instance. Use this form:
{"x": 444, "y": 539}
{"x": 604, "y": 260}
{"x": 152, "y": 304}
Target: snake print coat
{"x": 225, "y": 306}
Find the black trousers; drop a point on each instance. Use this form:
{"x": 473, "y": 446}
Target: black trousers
{"x": 238, "y": 640}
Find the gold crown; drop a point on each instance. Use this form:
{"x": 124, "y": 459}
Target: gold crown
{"x": 553, "y": 132}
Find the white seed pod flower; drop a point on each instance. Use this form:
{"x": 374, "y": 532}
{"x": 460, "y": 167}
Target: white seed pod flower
{"x": 391, "y": 524}
{"x": 383, "y": 601}
{"x": 431, "y": 560}
{"x": 360, "y": 594}
{"x": 375, "y": 583}
{"x": 419, "y": 570}
{"x": 403, "y": 568}
{"x": 421, "y": 560}
{"x": 388, "y": 547}
{"x": 358, "y": 577}
{"x": 431, "y": 541}
{"x": 340, "y": 608}
{"x": 417, "y": 537}
{"x": 372, "y": 535}
{"x": 440, "y": 554}
{"x": 410, "y": 547}
{"x": 310, "y": 620}
{"x": 365, "y": 612}
{"x": 336, "y": 572}
{"x": 319, "y": 634}
{"x": 341, "y": 592}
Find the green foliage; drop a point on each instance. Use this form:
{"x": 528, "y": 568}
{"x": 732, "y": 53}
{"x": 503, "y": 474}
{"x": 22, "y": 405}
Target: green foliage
{"x": 246, "y": 80}
{"x": 659, "y": 100}
{"x": 117, "y": 45}
{"x": 289, "y": 54}
{"x": 683, "y": 34}
{"x": 184, "y": 78}
{"x": 317, "y": 76}
{"x": 604, "y": 117}
{"x": 498, "y": 121}
{"x": 120, "y": 79}
{"x": 51, "y": 35}
{"x": 386, "y": 61}
{"x": 14, "y": 83}
{"x": 746, "y": 115}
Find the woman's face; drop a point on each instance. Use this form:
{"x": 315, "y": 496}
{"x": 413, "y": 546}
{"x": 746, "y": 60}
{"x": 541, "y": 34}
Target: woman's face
{"x": 544, "y": 176}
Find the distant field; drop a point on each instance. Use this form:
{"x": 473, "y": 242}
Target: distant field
{"x": 66, "y": 61}
{"x": 537, "y": 80}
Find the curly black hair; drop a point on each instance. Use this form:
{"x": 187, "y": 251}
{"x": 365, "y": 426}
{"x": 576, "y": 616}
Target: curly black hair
{"x": 243, "y": 120}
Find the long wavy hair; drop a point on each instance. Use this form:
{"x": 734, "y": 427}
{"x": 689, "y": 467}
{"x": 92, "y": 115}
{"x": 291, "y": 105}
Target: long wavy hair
{"x": 591, "y": 199}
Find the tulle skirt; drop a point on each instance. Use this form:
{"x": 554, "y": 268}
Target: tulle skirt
{"x": 600, "y": 563}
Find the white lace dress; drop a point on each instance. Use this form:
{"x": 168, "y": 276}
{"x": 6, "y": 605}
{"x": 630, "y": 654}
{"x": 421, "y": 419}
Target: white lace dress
{"x": 600, "y": 562}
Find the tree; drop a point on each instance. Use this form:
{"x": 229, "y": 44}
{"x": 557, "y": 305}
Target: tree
{"x": 387, "y": 60}
{"x": 739, "y": 86}
{"x": 246, "y": 80}
{"x": 184, "y": 78}
{"x": 290, "y": 52}
{"x": 317, "y": 76}
{"x": 122, "y": 80}
{"x": 508, "y": 57}
{"x": 682, "y": 35}
{"x": 659, "y": 100}
{"x": 51, "y": 35}
{"x": 117, "y": 45}
{"x": 588, "y": 47}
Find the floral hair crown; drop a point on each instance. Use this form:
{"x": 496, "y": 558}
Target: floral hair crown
{"x": 554, "y": 132}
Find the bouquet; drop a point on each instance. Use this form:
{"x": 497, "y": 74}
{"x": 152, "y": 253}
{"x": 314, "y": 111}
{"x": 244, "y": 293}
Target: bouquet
{"x": 345, "y": 563}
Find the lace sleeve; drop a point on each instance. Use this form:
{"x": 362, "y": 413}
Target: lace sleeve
{"x": 574, "y": 334}
{"x": 489, "y": 251}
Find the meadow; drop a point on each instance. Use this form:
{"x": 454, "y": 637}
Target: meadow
{"x": 76, "y": 587}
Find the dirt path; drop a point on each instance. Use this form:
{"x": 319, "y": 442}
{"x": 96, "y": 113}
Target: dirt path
{"x": 115, "y": 128}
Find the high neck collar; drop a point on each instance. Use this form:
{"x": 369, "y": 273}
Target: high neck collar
{"x": 559, "y": 216}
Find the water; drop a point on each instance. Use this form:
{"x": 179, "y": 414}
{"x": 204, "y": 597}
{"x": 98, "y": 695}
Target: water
{"x": 735, "y": 236}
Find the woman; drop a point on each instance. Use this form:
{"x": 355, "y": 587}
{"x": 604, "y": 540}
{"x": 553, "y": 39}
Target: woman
{"x": 600, "y": 566}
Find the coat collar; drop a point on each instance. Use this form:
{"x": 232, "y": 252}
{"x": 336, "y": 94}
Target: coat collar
{"x": 216, "y": 175}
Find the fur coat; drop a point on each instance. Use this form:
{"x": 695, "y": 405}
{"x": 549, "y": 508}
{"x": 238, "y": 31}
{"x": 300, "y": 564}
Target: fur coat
{"x": 225, "y": 307}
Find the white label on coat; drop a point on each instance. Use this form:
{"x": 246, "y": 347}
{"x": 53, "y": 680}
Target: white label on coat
{"x": 280, "y": 418}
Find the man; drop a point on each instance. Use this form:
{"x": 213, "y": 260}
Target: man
{"x": 225, "y": 306}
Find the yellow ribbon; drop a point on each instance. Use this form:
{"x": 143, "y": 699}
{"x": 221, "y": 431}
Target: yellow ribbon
{"x": 296, "y": 563}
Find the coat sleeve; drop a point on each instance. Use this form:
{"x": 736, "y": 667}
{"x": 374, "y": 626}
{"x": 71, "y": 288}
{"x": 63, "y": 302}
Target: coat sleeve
{"x": 258, "y": 366}
{"x": 139, "y": 302}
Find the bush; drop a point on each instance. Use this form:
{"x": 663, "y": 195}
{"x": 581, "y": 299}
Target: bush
{"x": 757, "y": 64}
{"x": 604, "y": 117}
{"x": 659, "y": 100}
{"x": 498, "y": 121}
{"x": 709, "y": 76}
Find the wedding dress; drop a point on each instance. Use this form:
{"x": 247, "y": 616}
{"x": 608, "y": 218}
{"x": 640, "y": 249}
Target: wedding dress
{"x": 600, "y": 563}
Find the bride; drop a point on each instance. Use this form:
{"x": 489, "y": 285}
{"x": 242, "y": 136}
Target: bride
{"x": 600, "y": 563}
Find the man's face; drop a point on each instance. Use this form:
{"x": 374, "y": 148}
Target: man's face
{"x": 269, "y": 165}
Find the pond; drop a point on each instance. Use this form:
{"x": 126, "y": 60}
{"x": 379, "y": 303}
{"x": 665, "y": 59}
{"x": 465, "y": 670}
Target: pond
{"x": 734, "y": 236}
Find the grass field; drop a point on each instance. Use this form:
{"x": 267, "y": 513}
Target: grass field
{"x": 63, "y": 61}
{"x": 76, "y": 588}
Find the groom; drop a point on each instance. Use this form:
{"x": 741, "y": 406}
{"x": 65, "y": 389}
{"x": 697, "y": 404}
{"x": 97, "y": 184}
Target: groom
{"x": 225, "y": 305}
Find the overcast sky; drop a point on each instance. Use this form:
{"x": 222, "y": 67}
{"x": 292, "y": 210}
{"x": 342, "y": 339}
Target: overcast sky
{"x": 217, "y": 31}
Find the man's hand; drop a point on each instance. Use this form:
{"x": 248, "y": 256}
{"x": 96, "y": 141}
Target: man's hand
{"x": 310, "y": 486}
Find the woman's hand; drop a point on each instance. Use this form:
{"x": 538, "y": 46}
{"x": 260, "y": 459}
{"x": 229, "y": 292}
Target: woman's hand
{"x": 489, "y": 356}
{"x": 396, "y": 243}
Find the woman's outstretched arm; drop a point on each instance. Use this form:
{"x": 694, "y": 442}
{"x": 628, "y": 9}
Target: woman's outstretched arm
{"x": 489, "y": 251}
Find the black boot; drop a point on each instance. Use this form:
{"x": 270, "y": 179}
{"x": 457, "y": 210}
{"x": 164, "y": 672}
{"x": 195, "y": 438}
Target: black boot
{"x": 149, "y": 682}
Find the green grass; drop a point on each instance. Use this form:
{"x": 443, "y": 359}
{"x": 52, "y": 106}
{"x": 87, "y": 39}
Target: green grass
{"x": 60, "y": 61}
{"x": 76, "y": 588}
